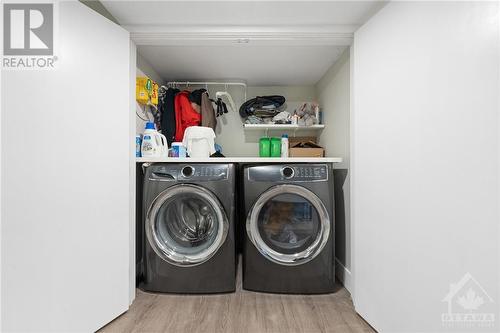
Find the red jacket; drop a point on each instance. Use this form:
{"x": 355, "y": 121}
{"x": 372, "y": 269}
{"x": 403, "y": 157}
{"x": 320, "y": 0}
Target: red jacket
{"x": 185, "y": 115}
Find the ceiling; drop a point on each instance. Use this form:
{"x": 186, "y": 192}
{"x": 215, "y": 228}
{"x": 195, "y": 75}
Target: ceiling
{"x": 260, "y": 65}
{"x": 260, "y": 42}
{"x": 241, "y": 12}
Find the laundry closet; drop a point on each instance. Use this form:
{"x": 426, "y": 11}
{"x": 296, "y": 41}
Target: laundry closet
{"x": 310, "y": 70}
{"x": 310, "y": 111}
{"x": 406, "y": 127}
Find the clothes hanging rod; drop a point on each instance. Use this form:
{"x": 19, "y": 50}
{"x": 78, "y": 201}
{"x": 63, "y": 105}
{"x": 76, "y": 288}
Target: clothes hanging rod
{"x": 209, "y": 83}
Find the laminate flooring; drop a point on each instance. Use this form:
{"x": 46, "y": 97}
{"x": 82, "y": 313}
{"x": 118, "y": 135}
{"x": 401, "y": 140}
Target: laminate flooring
{"x": 241, "y": 312}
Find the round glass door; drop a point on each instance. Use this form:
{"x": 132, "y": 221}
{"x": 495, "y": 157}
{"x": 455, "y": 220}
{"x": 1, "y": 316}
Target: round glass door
{"x": 288, "y": 224}
{"x": 186, "y": 225}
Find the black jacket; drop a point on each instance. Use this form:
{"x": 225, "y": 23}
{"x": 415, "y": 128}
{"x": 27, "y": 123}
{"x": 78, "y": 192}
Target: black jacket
{"x": 167, "y": 109}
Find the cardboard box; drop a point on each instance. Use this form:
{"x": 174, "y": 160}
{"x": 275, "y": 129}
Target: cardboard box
{"x": 305, "y": 149}
{"x": 294, "y": 139}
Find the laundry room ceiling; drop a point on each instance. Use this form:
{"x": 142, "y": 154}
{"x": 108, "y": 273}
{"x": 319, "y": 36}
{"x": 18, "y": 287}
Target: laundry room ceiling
{"x": 260, "y": 42}
{"x": 249, "y": 12}
{"x": 262, "y": 65}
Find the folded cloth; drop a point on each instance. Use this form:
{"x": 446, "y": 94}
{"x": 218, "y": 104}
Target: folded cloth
{"x": 266, "y": 113}
{"x": 254, "y": 120}
{"x": 282, "y": 117}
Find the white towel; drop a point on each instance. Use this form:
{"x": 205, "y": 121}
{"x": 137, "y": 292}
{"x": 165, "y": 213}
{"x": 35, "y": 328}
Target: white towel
{"x": 199, "y": 141}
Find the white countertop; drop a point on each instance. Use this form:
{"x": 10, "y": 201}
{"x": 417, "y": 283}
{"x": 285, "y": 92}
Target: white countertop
{"x": 239, "y": 160}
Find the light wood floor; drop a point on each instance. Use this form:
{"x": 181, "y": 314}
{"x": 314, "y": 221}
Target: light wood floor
{"x": 242, "y": 311}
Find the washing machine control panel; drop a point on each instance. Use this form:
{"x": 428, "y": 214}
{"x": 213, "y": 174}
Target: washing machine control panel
{"x": 207, "y": 172}
{"x": 289, "y": 173}
{"x": 306, "y": 173}
{"x": 194, "y": 172}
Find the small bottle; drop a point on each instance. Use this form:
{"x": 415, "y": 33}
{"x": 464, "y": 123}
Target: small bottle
{"x": 138, "y": 144}
{"x": 316, "y": 114}
{"x": 284, "y": 145}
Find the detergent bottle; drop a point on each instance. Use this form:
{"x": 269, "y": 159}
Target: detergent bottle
{"x": 284, "y": 145}
{"x": 154, "y": 144}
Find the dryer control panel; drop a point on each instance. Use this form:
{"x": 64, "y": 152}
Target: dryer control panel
{"x": 195, "y": 172}
{"x": 289, "y": 173}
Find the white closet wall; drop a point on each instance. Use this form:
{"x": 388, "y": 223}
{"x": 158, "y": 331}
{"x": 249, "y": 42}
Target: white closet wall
{"x": 145, "y": 68}
{"x": 65, "y": 198}
{"x": 132, "y": 173}
{"x": 333, "y": 92}
{"x": 425, "y": 162}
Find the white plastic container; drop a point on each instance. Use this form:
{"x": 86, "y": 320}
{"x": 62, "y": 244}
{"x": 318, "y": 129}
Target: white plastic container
{"x": 154, "y": 144}
{"x": 199, "y": 141}
{"x": 178, "y": 150}
{"x": 284, "y": 145}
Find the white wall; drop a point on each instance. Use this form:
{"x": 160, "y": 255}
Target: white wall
{"x": 1, "y": 186}
{"x": 98, "y": 7}
{"x": 424, "y": 161}
{"x": 132, "y": 171}
{"x": 65, "y": 158}
{"x": 333, "y": 92}
{"x": 144, "y": 68}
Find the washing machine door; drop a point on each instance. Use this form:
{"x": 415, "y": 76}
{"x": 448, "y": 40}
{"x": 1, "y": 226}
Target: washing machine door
{"x": 186, "y": 225}
{"x": 289, "y": 225}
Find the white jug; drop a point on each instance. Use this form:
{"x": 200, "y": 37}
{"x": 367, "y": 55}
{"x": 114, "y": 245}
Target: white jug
{"x": 154, "y": 144}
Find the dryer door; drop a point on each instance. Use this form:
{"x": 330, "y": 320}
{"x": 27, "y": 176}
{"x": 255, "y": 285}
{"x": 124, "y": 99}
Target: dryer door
{"x": 186, "y": 225}
{"x": 288, "y": 224}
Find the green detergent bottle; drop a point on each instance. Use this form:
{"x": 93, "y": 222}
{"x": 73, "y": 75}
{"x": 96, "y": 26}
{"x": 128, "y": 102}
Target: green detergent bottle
{"x": 264, "y": 147}
{"x": 275, "y": 147}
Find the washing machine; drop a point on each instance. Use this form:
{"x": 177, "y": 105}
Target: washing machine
{"x": 189, "y": 232}
{"x": 288, "y": 244}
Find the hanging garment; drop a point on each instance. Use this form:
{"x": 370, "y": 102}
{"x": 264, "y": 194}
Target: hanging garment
{"x": 195, "y": 96}
{"x": 207, "y": 112}
{"x": 200, "y": 98}
{"x": 157, "y": 117}
{"x": 185, "y": 115}
{"x": 221, "y": 107}
{"x": 227, "y": 95}
{"x": 167, "y": 110}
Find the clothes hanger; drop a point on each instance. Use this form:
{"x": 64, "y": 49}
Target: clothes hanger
{"x": 221, "y": 94}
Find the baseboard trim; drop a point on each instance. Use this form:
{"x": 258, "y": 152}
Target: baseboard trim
{"x": 344, "y": 275}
